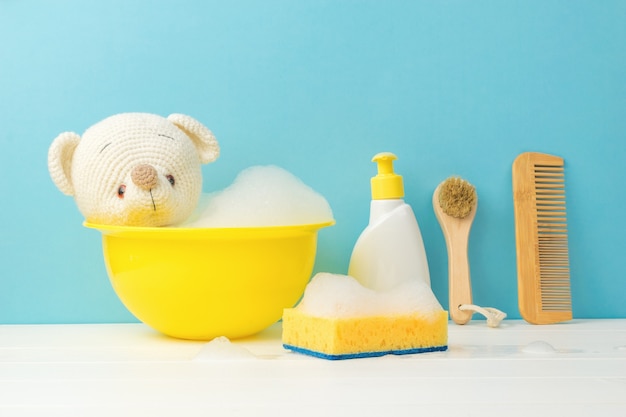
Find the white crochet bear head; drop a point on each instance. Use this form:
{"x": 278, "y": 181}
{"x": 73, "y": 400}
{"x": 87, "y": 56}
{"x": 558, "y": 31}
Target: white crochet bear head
{"x": 134, "y": 169}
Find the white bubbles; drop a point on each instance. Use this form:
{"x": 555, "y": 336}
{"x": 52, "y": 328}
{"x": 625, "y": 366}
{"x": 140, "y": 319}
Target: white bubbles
{"x": 539, "y": 347}
{"x": 262, "y": 196}
{"x": 333, "y": 295}
{"x": 221, "y": 348}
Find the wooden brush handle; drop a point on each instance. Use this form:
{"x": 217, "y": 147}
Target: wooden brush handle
{"x": 460, "y": 288}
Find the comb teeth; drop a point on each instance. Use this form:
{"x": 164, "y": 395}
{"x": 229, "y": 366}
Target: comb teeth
{"x": 552, "y": 237}
{"x": 541, "y": 238}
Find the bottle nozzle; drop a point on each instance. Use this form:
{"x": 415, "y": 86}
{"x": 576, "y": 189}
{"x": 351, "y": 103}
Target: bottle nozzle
{"x": 387, "y": 184}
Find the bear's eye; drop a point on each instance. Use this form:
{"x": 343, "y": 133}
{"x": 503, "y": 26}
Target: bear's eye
{"x": 171, "y": 179}
{"x": 121, "y": 191}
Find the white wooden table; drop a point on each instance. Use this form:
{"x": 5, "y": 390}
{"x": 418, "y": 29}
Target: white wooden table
{"x": 128, "y": 369}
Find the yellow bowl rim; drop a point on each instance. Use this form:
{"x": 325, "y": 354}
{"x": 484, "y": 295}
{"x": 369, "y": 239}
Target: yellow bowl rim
{"x": 173, "y": 230}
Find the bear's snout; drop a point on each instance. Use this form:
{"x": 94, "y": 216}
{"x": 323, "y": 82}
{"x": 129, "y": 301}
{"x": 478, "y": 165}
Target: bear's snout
{"x": 144, "y": 176}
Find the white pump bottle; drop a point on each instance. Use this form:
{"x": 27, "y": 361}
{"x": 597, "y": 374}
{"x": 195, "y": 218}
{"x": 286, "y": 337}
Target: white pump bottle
{"x": 390, "y": 251}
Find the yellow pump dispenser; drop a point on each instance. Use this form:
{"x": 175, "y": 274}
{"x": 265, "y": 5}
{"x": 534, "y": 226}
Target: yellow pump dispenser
{"x": 386, "y": 185}
{"x": 390, "y": 251}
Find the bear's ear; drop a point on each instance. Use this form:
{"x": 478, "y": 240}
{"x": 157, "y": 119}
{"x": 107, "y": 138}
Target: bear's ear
{"x": 60, "y": 157}
{"x": 201, "y": 136}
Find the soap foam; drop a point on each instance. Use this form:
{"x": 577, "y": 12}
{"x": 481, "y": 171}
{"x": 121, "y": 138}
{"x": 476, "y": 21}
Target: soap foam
{"x": 262, "y": 196}
{"x": 221, "y": 348}
{"x": 342, "y": 296}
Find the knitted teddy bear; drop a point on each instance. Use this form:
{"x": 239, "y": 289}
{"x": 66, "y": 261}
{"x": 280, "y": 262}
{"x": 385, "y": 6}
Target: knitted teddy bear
{"x": 134, "y": 169}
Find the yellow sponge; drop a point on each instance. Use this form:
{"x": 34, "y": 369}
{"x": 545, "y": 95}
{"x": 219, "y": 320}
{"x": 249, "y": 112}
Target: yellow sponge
{"x": 357, "y": 337}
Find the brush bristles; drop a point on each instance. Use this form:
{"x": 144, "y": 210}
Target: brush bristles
{"x": 457, "y": 197}
{"x": 552, "y": 238}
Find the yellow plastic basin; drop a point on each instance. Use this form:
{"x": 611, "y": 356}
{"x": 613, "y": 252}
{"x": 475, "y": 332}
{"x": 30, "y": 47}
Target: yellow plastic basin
{"x": 207, "y": 282}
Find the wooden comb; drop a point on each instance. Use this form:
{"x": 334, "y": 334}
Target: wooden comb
{"x": 543, "y": 277}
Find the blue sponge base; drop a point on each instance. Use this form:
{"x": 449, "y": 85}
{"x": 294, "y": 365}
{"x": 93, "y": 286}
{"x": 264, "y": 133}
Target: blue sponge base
{"x": 364, "y": 354}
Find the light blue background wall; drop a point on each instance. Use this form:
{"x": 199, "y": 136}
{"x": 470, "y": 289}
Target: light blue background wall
{"x": 319, "y": 87}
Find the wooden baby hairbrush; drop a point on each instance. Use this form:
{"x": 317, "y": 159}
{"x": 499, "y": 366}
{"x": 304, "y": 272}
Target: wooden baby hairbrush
{"x": 455, "y": 202}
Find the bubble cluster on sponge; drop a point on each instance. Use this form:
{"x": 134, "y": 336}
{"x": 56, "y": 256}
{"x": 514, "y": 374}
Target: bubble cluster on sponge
{"x": 338, "y": 318}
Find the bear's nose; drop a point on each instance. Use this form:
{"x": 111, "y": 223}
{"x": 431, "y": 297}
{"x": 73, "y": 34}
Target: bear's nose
{"x": 144, "y": 176}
